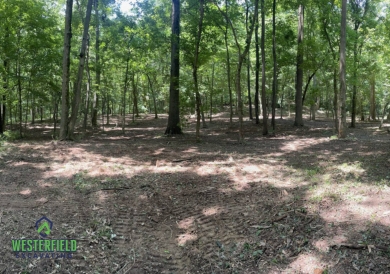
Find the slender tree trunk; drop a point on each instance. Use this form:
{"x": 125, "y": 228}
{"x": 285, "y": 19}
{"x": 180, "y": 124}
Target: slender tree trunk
{"x": 229, "y": 77}
{"x": 299, "y": 75}
{"x": 79, "y": 81}
{"x": 343, "y": 87}
{"x": 154, "y": 97}
{"x": 211, "y": 93}
{"x": 124, "y": 95}
{"x": 20, "y": 98}
{"x": 335, "y": 100}
{"x": 195, "y": 68}
{"x": 95, "y": 101}
{"x": 4, "y": 98}
{"x": 86, "y": 110}
{"x": 257, "y": 76}
{"x": 275, "y": 76}
{"x": 65, "y": 70}
{"x": 263, "y": 91}
{"x": 372, "y": 99}
{"x": 354, "y": 87}
{"x": 173, "y": 126}
{"x": 248, "y": 72}
{"x": 135, "y": 95}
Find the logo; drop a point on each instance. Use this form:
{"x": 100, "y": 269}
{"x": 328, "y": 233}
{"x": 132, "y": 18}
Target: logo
{"x": 44, "y": 226}
{"x": 44, "y": 248}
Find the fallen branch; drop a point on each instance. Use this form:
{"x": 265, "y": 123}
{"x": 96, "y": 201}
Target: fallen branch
{"x": 361, "y": 247}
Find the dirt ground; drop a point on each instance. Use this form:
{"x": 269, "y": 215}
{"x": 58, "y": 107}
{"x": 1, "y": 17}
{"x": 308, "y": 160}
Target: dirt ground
{"x": 299, "y": 202}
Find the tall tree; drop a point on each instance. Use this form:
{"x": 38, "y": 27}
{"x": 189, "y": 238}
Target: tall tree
{"x": 97, "y": 54}
{"x": 275, "y": 76}
{"x": 263, "y": 80}
{"x": 343, "y": 86}
{"x": 359, "y": 10}
{"x": 242, "y": 54}
{"x": 299, "y": 74}
{"x": 196, "y": 65}
{"x": 173, "y": 126}
{"x": 65, "y": 70}
{"x": 79, "y": 80}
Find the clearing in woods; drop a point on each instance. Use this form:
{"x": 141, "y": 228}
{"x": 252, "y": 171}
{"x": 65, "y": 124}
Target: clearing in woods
{"x": 298, "y": 202}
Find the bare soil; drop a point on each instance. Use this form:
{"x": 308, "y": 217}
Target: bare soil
{"x": 140, "y": 202}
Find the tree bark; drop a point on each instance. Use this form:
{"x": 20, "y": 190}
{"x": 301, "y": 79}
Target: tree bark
{"x": 299, "y": 74}
{"x": 79, "y": 81}
{"x": 65, "y": 70}
{"x": 173, "y": 126}
{"x": 342, "y": 127}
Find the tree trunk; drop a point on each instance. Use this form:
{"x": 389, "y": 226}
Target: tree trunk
{"x": 248, "y": 67}
{"x": 86, "y": 110}
{"x": 19, "y": 99}
{"x": 275, "y": 76}
{"x": 343, "y": 87}
{"x": 123, "y": 111}
{"x": 299, "y": 75}
{"x": 135, "y": 96}
{"x": 229, "y": 75}
{"x": 4, "y": 98}
{"x": 372, "y": 99}
{"x": 79, "y": 81}
{"x": 195, "y": 68}
{"x": 65, "y": 70}
{"x": 211, "y": 93}
{"x": 257, "y": 75}
{"x": 97, "y": 45}
{"x": 173, "y": 126}
{"x": 263, "y": 92}
{"x": 335, "y": 100}
{"x": 153, "y": 96}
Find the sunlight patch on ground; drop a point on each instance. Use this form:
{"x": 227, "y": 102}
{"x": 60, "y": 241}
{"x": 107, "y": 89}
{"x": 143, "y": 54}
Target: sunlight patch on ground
{"x": 354, "y": 168}
{"x": 25, "y": 192}
{"x": 182, "y": 239}
{"x": 306, "y": 263}
{"x": 186, "y": 223}
{"x": 212, "y": 211}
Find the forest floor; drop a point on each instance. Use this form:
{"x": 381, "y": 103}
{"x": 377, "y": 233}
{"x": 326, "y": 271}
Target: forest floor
{"x": 299, "y": 202}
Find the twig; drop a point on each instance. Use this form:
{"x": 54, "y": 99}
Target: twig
{"x": 181, "y": 160}
{"x": 279, "y": 218}
{"x": 107, "y": 189}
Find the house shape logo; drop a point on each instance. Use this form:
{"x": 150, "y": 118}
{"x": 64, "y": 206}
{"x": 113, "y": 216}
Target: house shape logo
{"x": 44, "y": 226}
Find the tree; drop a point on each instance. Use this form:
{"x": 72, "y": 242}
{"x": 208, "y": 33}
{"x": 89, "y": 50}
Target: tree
{"x": 98, "y": 69}
{"x": 343, "y": 86}
{"x": 299, "y": 74}
{"x": 65, "y": 70}
{"x": 242, "y": 54}
{"x": 263, "y": 92}
{"x": 173, "y": 126}
{"x": 77, "y": 86}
